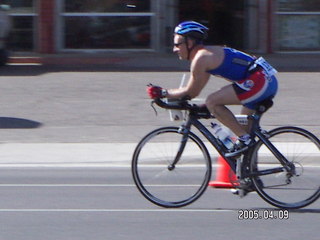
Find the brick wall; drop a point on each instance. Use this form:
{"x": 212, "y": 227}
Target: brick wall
{"x": 46, "y": 26}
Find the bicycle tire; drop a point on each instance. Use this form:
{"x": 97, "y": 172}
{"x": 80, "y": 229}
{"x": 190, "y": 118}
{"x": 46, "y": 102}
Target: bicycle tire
{"x": 299, "y": 147}
{"x": 171, "y": 188}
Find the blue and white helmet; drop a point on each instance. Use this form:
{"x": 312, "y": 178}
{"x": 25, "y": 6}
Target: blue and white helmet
{"x": 192, "y": 29}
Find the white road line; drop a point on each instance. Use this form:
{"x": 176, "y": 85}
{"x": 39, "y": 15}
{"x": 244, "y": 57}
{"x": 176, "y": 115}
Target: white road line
{"x": 67, "y": 185}
{"x": 120, "y": 210}
{"x": 107, "y": 165}
{"x": 88, "y": 165}
{"x": 95, "y": 185}
{"x": 65, "y": 165}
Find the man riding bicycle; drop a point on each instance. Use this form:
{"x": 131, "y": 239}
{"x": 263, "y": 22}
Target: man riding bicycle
{"x": 252, "y": 79}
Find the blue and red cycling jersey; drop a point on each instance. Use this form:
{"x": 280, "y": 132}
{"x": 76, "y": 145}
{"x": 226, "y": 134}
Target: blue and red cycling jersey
{"x": 250, "y": 86}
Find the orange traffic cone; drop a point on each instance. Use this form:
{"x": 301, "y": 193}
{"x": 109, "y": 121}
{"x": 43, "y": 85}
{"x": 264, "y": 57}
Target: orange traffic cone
{"x": 225, "y": 176}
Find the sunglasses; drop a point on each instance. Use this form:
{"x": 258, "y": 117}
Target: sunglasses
{"x": 178, "y": 44}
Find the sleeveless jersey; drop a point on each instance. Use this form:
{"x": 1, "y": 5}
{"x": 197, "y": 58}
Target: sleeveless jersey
{"x": 234, "y": 66}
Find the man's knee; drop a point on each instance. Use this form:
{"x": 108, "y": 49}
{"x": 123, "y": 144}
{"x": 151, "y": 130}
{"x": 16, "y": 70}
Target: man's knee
{"x": 213, "y": 104}
{"x": 212, "y": 101}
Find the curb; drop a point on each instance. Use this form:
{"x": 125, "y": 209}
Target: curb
{"x": 291, "y": 62}
{"x": 65, "y": 60}
{"x": 25, "y": 60}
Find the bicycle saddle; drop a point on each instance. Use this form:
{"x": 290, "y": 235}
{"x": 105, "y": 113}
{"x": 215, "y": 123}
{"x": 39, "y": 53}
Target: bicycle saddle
{"x": 264, "y": 105}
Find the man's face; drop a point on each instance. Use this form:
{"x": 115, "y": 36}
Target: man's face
{"x": 180, "y": 47}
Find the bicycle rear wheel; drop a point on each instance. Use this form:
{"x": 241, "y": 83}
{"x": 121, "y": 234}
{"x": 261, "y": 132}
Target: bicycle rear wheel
{"x": 163, "y": 185}
{"x": 280, "y": 189}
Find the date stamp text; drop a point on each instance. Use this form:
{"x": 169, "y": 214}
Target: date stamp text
{"x": 263, "y": 214}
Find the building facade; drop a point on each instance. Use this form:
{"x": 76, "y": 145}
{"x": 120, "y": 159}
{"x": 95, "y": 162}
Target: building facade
{"x": 264, "y": 26}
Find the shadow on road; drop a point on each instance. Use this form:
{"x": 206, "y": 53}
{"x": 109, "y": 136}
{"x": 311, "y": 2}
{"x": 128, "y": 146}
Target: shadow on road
{"x": 16, "y": 123}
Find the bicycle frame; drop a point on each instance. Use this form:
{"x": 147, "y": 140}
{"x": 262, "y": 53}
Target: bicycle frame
{"x": 221, "y": 149}
{"x": 186, "y": 128}
{"x": 257, "y": 132}
{"x": 233, "y": 161}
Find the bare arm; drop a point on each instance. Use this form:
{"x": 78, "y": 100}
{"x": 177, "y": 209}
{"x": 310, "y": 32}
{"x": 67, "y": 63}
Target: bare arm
{"x": 197, "y": 81}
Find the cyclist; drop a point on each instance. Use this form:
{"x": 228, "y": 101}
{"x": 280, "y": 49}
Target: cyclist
{"x": 252, "y": 79}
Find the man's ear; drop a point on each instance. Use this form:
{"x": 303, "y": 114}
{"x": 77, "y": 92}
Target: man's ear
{"x": 190, "y": 42}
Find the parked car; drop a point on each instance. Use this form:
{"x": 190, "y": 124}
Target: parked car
{"x": 5, "y": 26}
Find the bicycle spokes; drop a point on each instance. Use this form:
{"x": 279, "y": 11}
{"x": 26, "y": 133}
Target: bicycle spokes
{"x": 292, "y": 181}
{"x": 169, "y": 173}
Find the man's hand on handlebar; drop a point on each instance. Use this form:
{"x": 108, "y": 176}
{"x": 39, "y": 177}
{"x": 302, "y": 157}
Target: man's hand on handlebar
{"x": 156, "y": 91}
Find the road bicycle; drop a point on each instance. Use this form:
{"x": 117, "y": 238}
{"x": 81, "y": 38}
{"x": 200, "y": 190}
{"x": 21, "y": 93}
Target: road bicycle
{"x": 171, "y": 166}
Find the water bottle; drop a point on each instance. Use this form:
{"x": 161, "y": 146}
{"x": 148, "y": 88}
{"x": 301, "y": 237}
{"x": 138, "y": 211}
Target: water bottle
{"x": 223, "y": 134}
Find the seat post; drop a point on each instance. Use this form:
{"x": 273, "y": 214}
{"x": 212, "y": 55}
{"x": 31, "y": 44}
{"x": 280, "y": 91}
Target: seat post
{"x": 254, "y": 120}
{"x": 262, "y": 107}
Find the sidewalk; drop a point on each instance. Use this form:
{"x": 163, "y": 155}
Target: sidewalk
{"x": 72, "y": 154}
{"x": 66, "y": 154}
{"x": 133, "y": 61}
{"x": 106, "y": 154}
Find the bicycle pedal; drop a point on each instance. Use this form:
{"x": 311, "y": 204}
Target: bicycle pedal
{"x": 234, "y": 191}
{"x": 245, "y": 186}
{"x": 240, "y": 192}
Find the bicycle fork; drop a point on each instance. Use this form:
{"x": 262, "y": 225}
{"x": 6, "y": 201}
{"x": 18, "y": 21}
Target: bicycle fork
{"x": 184, "y": 130}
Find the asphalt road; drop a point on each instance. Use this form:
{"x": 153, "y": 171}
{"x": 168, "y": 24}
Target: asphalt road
{"x": 97, "y": 106}
{"x": 103, "y": 203}
{"x": 74, "y": 116}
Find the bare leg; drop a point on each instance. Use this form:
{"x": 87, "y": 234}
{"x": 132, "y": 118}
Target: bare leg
{"x": 216, "y": 104}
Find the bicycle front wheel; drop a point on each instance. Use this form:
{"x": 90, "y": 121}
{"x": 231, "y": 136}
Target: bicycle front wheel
{"x": 285, "y": 189}
{"x": 153, "y": 173}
